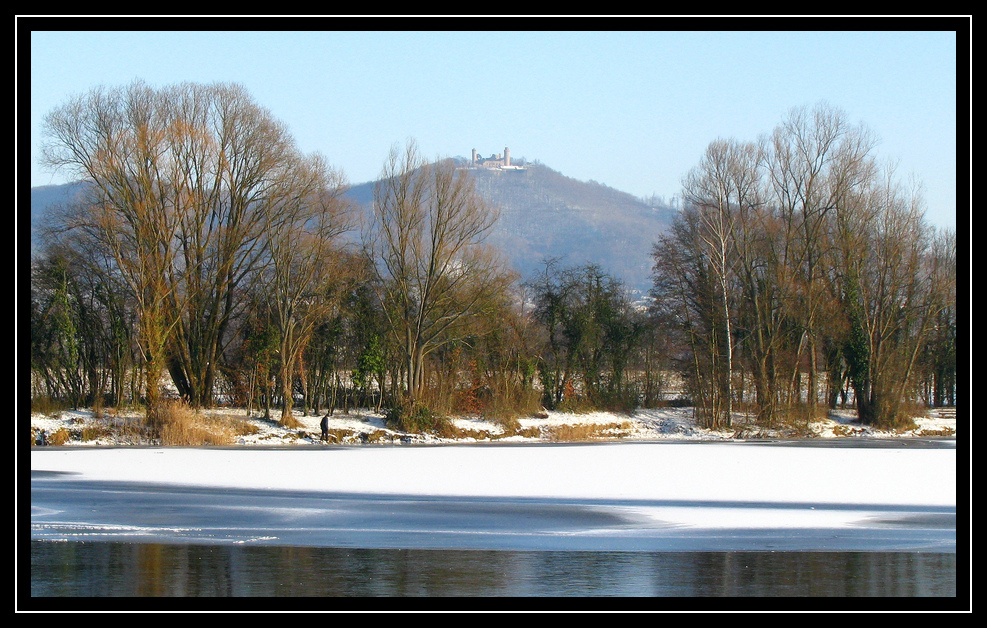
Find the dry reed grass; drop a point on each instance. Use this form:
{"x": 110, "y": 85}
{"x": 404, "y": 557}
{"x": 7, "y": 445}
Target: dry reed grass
{"x": 183, "y": 426}
{"x": 587, "y": 431}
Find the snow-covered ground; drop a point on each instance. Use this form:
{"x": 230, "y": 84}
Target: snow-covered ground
{"x": 654, "y": 424}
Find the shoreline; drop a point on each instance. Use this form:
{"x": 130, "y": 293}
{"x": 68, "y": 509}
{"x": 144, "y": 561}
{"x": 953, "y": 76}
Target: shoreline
{"x": 84, "y": 428}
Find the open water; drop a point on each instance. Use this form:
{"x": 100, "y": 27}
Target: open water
{"x": 109, "y": 569}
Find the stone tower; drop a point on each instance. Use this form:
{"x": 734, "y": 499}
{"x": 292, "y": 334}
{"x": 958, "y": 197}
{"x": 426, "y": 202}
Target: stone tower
{"x": 507, "y": 156}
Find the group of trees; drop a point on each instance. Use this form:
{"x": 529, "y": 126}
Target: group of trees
{"x": 799, "y": 271}
{"x": 209, "y": 248}
{"x": 592, "y": 334}
{"x": 199, "y": 205}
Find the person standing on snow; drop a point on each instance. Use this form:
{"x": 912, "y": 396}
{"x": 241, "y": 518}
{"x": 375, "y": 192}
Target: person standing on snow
{"x": 324, "y": 424}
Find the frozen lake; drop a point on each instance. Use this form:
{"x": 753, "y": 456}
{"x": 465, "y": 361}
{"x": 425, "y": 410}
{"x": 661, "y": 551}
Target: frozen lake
{"x": 66, "y": 508}
{"x": 640, "y": 496}
{"x": 786, "y": 513}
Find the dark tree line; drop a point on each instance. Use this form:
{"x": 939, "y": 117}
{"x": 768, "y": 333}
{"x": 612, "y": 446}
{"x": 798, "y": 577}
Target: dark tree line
{"x": 210, "y": 250}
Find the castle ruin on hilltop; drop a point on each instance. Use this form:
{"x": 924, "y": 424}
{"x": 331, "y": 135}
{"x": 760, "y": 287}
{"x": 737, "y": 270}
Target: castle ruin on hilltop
{"x": 494, "y": 162}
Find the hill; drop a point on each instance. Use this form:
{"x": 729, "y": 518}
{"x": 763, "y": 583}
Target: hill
{"x": 45, "y": 197}
{"x": 544, "y": 215}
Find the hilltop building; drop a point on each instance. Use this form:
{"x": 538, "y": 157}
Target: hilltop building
{"x": 494, "y": 162}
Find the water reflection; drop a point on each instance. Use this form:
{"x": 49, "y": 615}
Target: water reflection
{"x": 150, "y": 570}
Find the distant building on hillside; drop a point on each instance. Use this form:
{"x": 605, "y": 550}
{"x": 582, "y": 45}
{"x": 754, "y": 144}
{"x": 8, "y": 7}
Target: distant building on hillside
{"x": 494, "y": 162}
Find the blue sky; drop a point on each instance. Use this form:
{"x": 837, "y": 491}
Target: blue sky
{"x": 632, "y": 110}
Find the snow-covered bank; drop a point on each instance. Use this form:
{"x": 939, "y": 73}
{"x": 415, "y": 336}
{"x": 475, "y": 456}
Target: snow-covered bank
{"x": 651, "y": 425}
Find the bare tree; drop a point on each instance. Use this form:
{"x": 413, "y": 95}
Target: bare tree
{"x": 815, "y": 159}
{"x": 306, "y": 277}
{"x": 186, "y": 180}
{"x": 720, "y": 189}
{"x": 894, "y": 282}
{"x": 685, "y": 298}
{"x": 115, "y": 139}
{"x": 425, "y": 238}
{"x": 795, "y": 248}
{"x": 940, "y": 353}
{"x": 232, "y": 171}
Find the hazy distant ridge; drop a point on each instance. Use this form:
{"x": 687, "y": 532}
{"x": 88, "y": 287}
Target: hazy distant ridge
{"x": 544, "y": 214}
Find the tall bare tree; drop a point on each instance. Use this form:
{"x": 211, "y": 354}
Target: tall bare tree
{"x": 893, "y": 283}
{"x": 797, "y": 248}
{"x": 308, "y": 270}
{"x": 232, "y": 171}
{"x": 721, "y": 189}
{"x": 685, "y": 298}
{"x": 940, "y": 354}
{"x": 815, "y": 158}
{"x": 426, "y": 238}
{"x": 116, "y": 140}
{"x": 186, "y": 180}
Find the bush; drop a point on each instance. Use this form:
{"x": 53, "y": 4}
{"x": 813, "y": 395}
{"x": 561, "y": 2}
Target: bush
{"x": 588, "y": 431}
{"x": 415, "y": 418}
{"x": 95, "y": 432}
{"x": 59, "y": 437}
{"x": 512, "y": 402}
{"x": 47, "y": 406}
{"x": 177, "y": 424}
{"x": 946, "y": 431}
{"x": 374, "y": 436}
{"x": 528, "y": 432}
{"x": 290, "y": 422}
{"x": 511, "y": 424}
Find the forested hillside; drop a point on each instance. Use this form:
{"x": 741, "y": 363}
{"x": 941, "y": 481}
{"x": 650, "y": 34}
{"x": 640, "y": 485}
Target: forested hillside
{"x": 547, "y": 215}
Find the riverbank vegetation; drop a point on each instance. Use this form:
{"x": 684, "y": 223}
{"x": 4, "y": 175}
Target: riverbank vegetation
{"x": 210, "y": 255}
